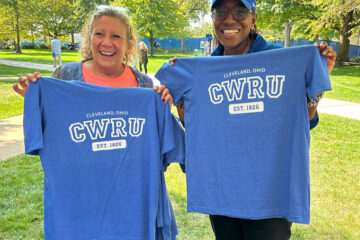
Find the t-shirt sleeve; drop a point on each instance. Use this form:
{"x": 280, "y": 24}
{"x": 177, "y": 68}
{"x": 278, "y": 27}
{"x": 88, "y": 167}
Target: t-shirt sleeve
{"x": 178, "y": 78}
{"x": 33, "y": 134}
{"x": 317, "y": 76}
{"x": 171, "y": 135}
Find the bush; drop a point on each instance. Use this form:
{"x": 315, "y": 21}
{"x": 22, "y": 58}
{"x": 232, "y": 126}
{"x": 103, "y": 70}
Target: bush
{"x": 356, "y": 60}
{"x": 29, "y": 46}
{"x": 5, "y": 45}
{"x": 42, "y": 46}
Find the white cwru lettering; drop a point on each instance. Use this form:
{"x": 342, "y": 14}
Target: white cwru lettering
{"x": 275, "y": 85}
{"x": 98, "y": 129}
{"x": 213, "y": 92}
{"x": 75, "y": 132}
{"x": 233, "y": 89}
{"x": 136, "y": 126}
{"x": 118, "y": 127}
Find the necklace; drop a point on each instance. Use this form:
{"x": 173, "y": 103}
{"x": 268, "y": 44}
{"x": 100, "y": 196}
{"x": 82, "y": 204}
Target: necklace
{"x": 247, "y": 48}
{"x": 245, "y": 51}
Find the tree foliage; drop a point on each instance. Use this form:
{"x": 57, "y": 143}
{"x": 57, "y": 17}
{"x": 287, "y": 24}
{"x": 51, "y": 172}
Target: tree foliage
{"x": 202, "y": 30}
{"x": 14, "y": 21}
{"x": 313, "y": 18}
{"x": 343, "y": 16}
{"x": 283, "y": 14}
{"x": 155, "y": 18}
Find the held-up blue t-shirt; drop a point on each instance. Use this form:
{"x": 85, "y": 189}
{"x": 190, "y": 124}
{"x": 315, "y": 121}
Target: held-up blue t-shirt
{"x": 247, "y": 130}
{"x": 103, "y": 151}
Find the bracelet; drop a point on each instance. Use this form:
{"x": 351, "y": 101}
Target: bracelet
{"x": 311, "y": 101}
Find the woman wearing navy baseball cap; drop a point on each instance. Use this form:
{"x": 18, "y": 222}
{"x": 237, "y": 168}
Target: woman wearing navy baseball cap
{"x": 234, "y": 24}
{"x": 235, "y": 29}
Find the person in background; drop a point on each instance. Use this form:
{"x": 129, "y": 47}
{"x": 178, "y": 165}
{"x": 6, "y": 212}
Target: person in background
{"x": 108, "y": 47}
{"x": 234, "y": 24}
{"x": 143, "y": 56}
{"x": 56, "y": 50}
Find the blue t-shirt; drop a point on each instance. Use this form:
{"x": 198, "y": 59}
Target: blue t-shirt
{"x": 247, "y": 130}
{"x": 103, "y": 151}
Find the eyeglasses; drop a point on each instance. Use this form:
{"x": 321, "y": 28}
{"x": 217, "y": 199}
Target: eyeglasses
{"x": 238, "y": 13}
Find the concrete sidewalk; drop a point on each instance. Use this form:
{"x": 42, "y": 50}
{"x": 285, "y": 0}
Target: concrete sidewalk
{"x": 340, "y": 108}
{"x": 11, "y": 137}
{"x": 28, "y": 65}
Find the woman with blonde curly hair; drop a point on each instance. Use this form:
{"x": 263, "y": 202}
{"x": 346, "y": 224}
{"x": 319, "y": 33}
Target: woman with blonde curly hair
{"x": 108, "y": 46}
{"x": 143, "y": 56}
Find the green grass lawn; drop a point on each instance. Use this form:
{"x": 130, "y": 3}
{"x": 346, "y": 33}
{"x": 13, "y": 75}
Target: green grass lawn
{"x": 10, "y": 71}
{"x": 11, "y": 103}
{"x": 335, "y": 195}
{"x": 345, "y": 82}
{"x": 44, "y": 56}
{"x": 162, "y": 56}
{"x": 39, "y": 56}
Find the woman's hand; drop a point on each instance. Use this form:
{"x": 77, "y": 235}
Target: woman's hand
{"x": 172, "y": 61}
{"x": 165, "y": 94}
{"x": 24, "y": 83}
{"x": 329, "y": 54}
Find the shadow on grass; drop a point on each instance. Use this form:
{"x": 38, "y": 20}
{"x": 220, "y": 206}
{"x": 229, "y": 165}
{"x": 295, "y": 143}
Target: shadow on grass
{"x": 353, "y": 71}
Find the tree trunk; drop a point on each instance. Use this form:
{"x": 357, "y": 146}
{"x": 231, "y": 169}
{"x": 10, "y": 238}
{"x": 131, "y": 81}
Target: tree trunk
{"x": 344, "y": 47}
{"x": 18, "y": 49}
{"x": 358, "y": 40}
{"x": 151, "y": 39}
{"x": 345, "y": 34}
{"x": 316, "y": 38}
{"x": 288, "y": 26}
{"x": 182, "y": 45}
{"x": 73, "y": 39}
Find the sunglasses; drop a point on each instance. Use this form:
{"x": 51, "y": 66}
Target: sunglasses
{"x": 220, "y": 13}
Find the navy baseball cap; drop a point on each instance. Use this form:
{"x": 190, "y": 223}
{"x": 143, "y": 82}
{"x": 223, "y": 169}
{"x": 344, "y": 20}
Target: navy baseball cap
{"x": 250, "y": 4}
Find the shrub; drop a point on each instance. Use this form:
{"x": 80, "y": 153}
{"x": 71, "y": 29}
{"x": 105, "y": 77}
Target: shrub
{"x": 28, "y": 46}
{"x": 42, "y": 46}
{"x": 357, "y": 59}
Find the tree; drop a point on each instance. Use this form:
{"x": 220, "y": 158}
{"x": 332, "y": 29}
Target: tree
{"x": 202, "y": 30}
{"x": 155, "y": 18}
{"x": 193, "y": 10}
{"x": 13, "y": 19}
{"x": 53, "y": 16}
{"x": 342, "y": 16}
{"x": 283, "y": 14}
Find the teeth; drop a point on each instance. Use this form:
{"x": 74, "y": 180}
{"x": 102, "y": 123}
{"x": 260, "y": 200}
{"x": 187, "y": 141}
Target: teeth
{"x": 107, "y": 53}
{"x": 231, "y": 31}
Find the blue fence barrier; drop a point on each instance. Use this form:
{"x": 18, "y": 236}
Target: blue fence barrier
{"x": 194, "y": 43}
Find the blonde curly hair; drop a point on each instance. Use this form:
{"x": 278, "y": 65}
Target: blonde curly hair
{"x": 86, "y": 33}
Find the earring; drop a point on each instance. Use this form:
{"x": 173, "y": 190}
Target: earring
{"x": 252, "y": 29}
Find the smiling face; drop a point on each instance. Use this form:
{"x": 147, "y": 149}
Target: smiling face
{"x": 234, "y": 34}
{"x": 109, "y": 44}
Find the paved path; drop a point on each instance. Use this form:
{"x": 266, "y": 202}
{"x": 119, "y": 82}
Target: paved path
{"x": 11, "y": 137}
{"x": 340, "y": 108}
{"x": 11, "y": 131}
{"x": 28, "y": 65}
